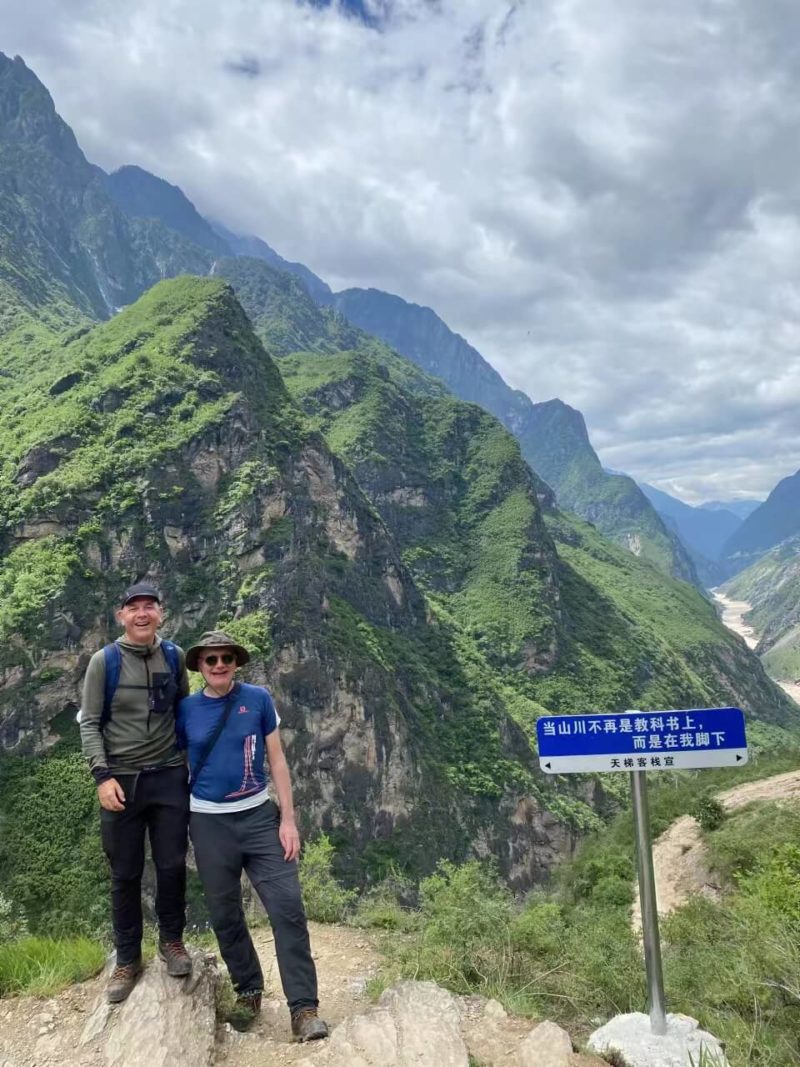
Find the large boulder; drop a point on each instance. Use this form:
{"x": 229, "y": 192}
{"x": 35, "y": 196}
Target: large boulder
{"x": 165, "y": 1021}
{"x": 631, "y": 1039}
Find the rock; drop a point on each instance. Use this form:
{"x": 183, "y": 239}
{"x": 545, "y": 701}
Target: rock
{"x": 162, "y": 1023}
{"x": 547, "y": 1045}
{"x": 495, "y": 1011}
{"x": 635, "y": 1045}
{"x": 415, "y": 1024}
{"x": 96, "y": 1023}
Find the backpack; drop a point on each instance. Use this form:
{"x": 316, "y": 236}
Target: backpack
{"x": 112, "y": 657}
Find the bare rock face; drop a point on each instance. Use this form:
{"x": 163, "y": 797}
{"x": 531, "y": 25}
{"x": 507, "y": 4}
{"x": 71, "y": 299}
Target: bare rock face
{"x": 165, "y": 1021}
{"x": 413, "y": 1023}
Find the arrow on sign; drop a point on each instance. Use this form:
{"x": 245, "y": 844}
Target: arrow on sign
{"x": 548, "y": 765}
{"x": 738, "y": 757}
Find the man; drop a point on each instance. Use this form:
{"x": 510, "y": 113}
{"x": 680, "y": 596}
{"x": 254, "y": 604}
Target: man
{"x": 130, "y": 696}
{"x": 230, "y": 730}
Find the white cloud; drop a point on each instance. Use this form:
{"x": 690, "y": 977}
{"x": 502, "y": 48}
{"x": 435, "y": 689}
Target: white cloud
{"x": 601, "y": 195}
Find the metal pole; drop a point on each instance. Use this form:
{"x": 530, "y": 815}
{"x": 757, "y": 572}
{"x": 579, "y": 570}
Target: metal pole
{"x": 647, "y": 896}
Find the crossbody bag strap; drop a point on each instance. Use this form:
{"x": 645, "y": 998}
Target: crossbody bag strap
{"x": 215, "y": 736}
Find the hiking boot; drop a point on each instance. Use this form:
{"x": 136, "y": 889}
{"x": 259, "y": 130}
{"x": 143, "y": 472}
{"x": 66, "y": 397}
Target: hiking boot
{"x": 307, "y": 1025}
{"x": 245, "y": 1011}
{"x": 122, "y": 980}
{"x": 177, "y": 959}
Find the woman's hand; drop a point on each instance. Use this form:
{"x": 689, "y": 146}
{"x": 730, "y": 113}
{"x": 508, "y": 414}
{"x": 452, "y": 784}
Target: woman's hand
{"x": 289, "y": 838}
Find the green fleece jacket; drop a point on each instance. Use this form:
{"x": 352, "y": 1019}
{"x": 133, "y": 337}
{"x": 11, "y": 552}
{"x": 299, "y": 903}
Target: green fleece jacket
{"x": 134, "y": 737}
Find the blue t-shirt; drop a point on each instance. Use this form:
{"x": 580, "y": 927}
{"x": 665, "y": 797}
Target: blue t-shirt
{"x": 235, "y": 769}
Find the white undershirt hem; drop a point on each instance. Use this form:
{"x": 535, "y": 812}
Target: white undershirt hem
{"x": 212, "y": 807}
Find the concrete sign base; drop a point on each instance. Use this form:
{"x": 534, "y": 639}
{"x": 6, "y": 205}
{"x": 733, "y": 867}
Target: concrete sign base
{"x": 631, "y": 1037}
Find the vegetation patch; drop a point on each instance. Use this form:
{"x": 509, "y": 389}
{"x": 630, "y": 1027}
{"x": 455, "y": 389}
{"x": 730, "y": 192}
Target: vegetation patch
{"x": 42, "y": 966}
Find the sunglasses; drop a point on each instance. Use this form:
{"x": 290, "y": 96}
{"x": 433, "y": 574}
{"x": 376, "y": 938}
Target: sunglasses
{"x": 227, "y": 659}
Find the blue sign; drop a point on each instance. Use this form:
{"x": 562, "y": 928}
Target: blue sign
{"x": 642, "y": 741}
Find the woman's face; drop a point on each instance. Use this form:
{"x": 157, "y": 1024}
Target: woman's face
{"x": 218, "y": 666}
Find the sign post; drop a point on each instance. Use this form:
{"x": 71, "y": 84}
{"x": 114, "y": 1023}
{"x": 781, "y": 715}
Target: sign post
{"x": 639, "y": 741}
{"x": 647, "y": 897}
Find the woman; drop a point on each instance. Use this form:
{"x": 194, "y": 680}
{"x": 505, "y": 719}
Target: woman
{"x": 227, "y": 728}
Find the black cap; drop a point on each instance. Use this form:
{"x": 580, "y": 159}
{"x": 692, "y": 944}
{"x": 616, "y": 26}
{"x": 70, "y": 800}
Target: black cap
{"x": 140, "y": 589}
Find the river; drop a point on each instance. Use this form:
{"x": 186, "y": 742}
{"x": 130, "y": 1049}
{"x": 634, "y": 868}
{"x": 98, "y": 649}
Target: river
{"x": 733, "y": 612}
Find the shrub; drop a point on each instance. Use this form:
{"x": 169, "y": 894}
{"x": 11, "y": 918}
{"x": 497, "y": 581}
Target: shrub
{"x": 462, "y": 936}
{"x": 708, "y": 811}
{"x": 748, "y": 837}
{"x": 13, "y": 926}
{"x": 382, "y": 905}
{"x": 325, "y": 900}
{"x": 775, "y": 884}
{"x": 51, "y": 860}
{"x": 539, "y": 930}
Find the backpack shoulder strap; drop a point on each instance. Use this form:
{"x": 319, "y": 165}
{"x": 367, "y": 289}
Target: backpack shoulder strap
{"x": 173, "y": 659}
{"x": 113, "y": 664}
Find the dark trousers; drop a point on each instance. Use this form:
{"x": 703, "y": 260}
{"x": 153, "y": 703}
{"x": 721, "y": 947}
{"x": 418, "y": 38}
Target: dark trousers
{"x": 156, "y": 802}
{"x": 226, "y": 844}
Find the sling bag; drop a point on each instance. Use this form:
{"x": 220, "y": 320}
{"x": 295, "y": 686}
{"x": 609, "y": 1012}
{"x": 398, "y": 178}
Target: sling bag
{"x": 215, "y": 736}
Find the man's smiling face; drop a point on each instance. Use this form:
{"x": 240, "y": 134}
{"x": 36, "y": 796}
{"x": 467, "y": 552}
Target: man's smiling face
{"x": 141, "y": 618}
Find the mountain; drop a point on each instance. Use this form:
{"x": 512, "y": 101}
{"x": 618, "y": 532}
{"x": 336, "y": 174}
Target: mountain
{"x": 557, "y": 616}
{"x": 163, "y": 443}
{"x": 255, "y": 248}
{"x": 702, "y": 529}
{"x": 777, "y": 519}
{"x": 772, "y": 586}
{"x": 741, "y": 508}
{"x": 552, "y": 435}
{"x": 67, "y": 253}
{"x": 142, "y": 195}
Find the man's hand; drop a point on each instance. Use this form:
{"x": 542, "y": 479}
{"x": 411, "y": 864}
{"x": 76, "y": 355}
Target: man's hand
{"x": 110, "y": 795}
{"x": 290, "y": 839}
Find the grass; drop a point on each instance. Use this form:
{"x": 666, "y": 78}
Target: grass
{"x": 41, "y": 966}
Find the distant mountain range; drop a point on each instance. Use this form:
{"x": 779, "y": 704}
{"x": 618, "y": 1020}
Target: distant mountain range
{"x": 777, "y": 519}
{"x": 741, "y": 508}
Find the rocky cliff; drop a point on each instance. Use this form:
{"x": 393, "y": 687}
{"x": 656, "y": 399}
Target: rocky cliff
{"x": 552, "y": 435}
{"x": 164, "y": 444}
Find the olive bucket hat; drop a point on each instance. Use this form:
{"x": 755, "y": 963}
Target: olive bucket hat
{"x": 215, "y": 639}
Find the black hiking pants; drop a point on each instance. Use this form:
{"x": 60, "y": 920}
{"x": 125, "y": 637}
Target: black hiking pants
{"x": 157, "y": 802}
{"x": 226, "y": 844}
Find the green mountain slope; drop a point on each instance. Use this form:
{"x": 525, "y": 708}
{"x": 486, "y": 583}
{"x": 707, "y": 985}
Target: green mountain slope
{"x": 563, "y": 617}
{"x": 163, "y": 443}
{"x": 772, "y": 586}
{"x": 552, "y": 435}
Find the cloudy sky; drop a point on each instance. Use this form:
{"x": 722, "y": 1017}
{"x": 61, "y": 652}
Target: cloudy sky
{"x": 601, "y": 195}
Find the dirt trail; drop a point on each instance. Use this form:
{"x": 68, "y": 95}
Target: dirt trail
{"x": 46, "y": 1033}
{"x": 679, "y": 855}
{"x": 346, "y": 959}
